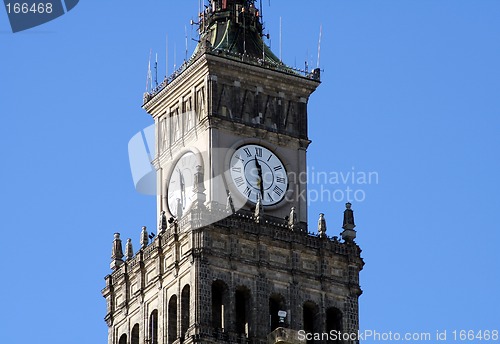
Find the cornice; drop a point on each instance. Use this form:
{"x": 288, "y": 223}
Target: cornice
{"x": 189, "y": 71}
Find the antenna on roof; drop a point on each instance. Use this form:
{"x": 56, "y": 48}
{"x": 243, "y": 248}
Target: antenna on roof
{"x": 175, "y": 57}
{"x": 244, "y": 33}
{"x": 186, "y": 35}
{"x": 319, "y": 43}
{"x": 156, "y": 70}
{"x": 166, "y": 58}
{"x": 306, "y": 64}
{"x": 148, "y": 76}
{"x": 281, "y": 41}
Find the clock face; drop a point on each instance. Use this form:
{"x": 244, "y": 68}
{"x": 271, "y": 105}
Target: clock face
{"x": 180, "y": 184}
{"x": 258, "y": 172}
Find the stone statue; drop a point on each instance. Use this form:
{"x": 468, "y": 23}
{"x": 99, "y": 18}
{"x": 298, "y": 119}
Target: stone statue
{"x": 292, "y": 219}
{"x": 199, "y": 189}
{"x": 178, "y": 211}
{"x": 348, "y": 217}
{"x": 322, "y": 226}
{"x": 144, "y": 237}
{"x": 229, "y": 203}
{"x": 117, "y": 252}
{"x": 163, "y": 221}
{"x": 129, "y": 251}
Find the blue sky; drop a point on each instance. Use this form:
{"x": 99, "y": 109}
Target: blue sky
{"x": 409, "y": 91}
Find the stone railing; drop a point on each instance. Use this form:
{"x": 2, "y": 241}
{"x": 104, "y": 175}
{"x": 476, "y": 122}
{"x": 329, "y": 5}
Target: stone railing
{"x": 279, "y": 67}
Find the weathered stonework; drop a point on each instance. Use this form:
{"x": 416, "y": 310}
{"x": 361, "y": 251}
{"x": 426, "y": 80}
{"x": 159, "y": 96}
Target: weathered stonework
{"x": 264, "y": 259}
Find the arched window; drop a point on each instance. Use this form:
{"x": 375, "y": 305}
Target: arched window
{"x": 172, "y": 319}
{"x": 310, "y": 317}
{"x": 135, "y": 334}
{"x": 153, "y": 327}
{"x": 123, "y": 339}
{"x": 185, "y": 299}
{"x": 333, "y": 321}
{"x": 242, "y": 305}
{"x": 219, "y": 305}
{"x": 276, "y": 304}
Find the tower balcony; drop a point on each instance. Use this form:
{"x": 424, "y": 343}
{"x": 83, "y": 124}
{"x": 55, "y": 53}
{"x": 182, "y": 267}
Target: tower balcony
{"x": 284, "y": 336}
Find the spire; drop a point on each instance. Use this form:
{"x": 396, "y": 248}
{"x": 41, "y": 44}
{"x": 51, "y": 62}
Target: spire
{"x": 348, "y": 217}
{"x": 178, "y": 210}
{"x": 322, "y": 226}
{"x": 116, "y": 253}
{"x": 129, "y": 251}
{"x": 144, "y": 237}
{"x": 349, "y": 234}
{"x": 235, "y": 27}
{"x": 199, "y": 189}
{"x": 229, "y": 203}
{"x": 259, "y": 210}
{"x": 163, "y": 222}
{"x": 292, "y": 219}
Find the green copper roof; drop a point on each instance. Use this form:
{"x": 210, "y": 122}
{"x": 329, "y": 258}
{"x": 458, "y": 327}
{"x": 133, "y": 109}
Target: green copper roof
{"x": 233, "y": 29}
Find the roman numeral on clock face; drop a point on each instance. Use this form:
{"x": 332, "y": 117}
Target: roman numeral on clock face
{"x": 239, "y": 181}
{"x": 270, "y": 197}
{"x": 247, "y": 192}
{"x": 258, "y": 152}
{"x": 278, "y": 191}
{"x": 280, "y": 180}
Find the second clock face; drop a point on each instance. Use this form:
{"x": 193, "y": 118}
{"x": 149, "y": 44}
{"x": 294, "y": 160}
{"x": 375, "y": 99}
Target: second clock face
{"x": 258, "y": 172}
{"x": 180, "y": 184}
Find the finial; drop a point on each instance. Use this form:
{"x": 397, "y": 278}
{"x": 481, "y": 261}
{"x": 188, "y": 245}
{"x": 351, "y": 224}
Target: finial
{"x": 349, "y": 234}
{"x": 178, "y": 210}
{"x": 163, "y": 222}
{"x": 292, "y": 219}
{"x": 322, "y": 226}
{"x": 129, "y": 251}
{"x": 199, "y": 189}
{"x": 259, "y": 210}
{"x": 116, "y": 252}
{"x": 144, "y": 237}
{"x": 229, "y": 203}
{"x": 348, "y": 217}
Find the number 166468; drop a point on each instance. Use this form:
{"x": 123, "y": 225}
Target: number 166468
{"x": 25, "y": 8}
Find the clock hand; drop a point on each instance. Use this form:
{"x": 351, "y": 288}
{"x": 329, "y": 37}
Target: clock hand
{"x": 261, "y": 180}
{"x": 183, "y": 187}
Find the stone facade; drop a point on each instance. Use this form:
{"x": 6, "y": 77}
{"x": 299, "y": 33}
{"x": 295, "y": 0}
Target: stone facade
{"x": 217, "y": 282}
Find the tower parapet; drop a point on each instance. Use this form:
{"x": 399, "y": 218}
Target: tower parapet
{"x": 240, "y": 267}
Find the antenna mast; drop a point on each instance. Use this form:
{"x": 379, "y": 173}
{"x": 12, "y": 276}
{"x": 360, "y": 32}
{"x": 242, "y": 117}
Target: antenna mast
{"x": 148, "y": 76}
{"x": 281, "y": 41}
{"x": 186, "y": 34}
{"x": 319, "y": 43}
{"x": 166, "y": 59}
{"x": 156, "y": 70}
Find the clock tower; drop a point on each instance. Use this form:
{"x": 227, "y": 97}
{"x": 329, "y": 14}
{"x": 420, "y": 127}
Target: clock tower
{"x": 230, "y": 104}
{"x": 233, "y": 260}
